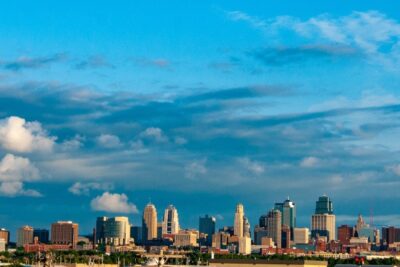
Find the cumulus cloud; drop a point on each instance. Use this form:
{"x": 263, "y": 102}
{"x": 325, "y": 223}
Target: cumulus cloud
{"x": 79, "y": 188}
{"x": 155, "y": 134}
{"x": 253, "y": 166}
{"x": 115, "y": 203}
{"x": 109, "y": 141}
{"x": 309, "y": 162}
{"x": 14, "y": 171}
{"x": 18, "y": 135}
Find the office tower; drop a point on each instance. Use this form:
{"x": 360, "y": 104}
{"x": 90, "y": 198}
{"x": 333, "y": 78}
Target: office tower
{"x": 64, "y": 232}
{"x": 238, "y": 223}
{"x": 345, "y": 233}
{"x": 274, "y": 226}
{"x": 323, "y": 225}
{"x": 5, "y": 234}
{"x": 285, "y": 236}
{"x": 262, "y": 222}
{"x": 170, "y": 224}
{"x": 390, "y": 235}
{"x": 246, "y": 227}
{"x": 360, "y": 223}
{"x": 220, "y": 240}
{"x": 42, "y": 235}
{"x": 259, "y": 233}
{"x": 149, "y": 223}
{"x": 113, "y": 231}
{"x": 207, "y": 226}
{"x": 24, "y": 236}
{"x": 100, "y": 223}
{"x": 288, "y": 211}
{"x": 159, "y": 230}
{"x": 300, "y": 235}
{"x": 324, "y": 206}
{"x": 136, "y": 234}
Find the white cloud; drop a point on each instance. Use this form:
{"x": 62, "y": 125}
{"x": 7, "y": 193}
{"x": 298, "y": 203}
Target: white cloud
{"x": 115, "y": 203}
{"x": 309, "y": 162}
{"x": 79, "y": 188}
{"x": 11, "y": 189}
{"x": 20, "y": 136}
{"x": 73, "y": 144}
{"x": 109, "y": 141}
{"x": 14, "y": 171}
{"x": 154, "y": 133}
{"x": 394, "y": 169}
{"x": 180, "y": 140}
{"x": 252, "y": 166}
{"x": 195, "y": 169}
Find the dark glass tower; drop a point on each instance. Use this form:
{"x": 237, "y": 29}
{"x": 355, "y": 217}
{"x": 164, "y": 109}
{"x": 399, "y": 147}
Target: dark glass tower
{"x": 207, "y": 226}
{"x": 324, "y": 206}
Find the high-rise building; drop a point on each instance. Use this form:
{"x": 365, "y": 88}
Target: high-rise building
{"x": 259, "y": 233}
{"x": 324, "y": 205}
{"x": 360, "y": 223}
{"x": 238, "y": 223}
{"x": 186, "y": 238}
{"x": 244, "y": 245}
{"x": 24, "y": 236}
{"x": 323, "y": 225}
{"x": 345, "y": 233}
{"x": 42, "y": 235}
{"x": 246, "y": 227}
{"x": 300, "y": 235}
{"x": 113, "y": 231}
{"x": 274, "y": 226}
{"x": 285, "y": 236}
{"x": 64, "y": 232}
{"x": 5, "y": 234}
{"x": 149, "y": 223}
{"x": 288, "y": 210}
{"x": 136, "y": 234}
{"x": 170, "y": 224}
{"x": 390, "y": 234}
{"x": 207, "y": 226}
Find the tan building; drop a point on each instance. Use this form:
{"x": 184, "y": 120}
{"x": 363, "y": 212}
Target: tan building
{"x": 220, "y": 240}
{"x": 267, "y": 241}
{"x": 2, "y": 245}
{"x": 274, "y": 226}
{"x": 149, "y": 223}
{"x": 24, "y": 236}
{"x": 239, "y": 221}
{"x": 5, "y": 234}
{"x": 300, "y": 235}
{"x": 245, "y": 245}
{"x": 64, "y": 233}
{"x": 186, "y": 238}
{"x": 324, "y": 222}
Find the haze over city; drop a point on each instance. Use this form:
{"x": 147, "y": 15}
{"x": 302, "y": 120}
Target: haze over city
{"x": 105, "y": 107}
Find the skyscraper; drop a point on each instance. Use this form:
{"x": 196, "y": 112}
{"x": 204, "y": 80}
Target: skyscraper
{"x": 24, "y": 236}
{"x": 323, "y": 222}
{"x": 64, "y": 232}
{"x": 42, "y": 235}
{"x": 238, "y": 223}
{"x": 246, "y": 227}
{"x": 115, "y": 231}
{"x": 274, "y": 226}
{"x": 170, "y": 224}
{"x": 207, "y": 226}
{"x": 136, "y": 234}
{"x": 149, "y": 223}
{"x": 324, "y": 206}
{"x": 5, "y": 234}
{"x": 288, "y": 211}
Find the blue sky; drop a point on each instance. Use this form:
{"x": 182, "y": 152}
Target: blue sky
{"x": 202, "y": 104}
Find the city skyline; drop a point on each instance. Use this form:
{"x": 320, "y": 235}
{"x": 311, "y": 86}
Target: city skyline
{"x": 199, "y": 104}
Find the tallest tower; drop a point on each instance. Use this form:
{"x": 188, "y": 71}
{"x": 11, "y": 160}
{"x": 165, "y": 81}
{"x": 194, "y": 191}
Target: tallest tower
{"x": 239, "y": 224}
{"x": 149, "y": 223}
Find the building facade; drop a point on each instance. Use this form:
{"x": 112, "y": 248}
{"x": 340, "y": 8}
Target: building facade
{"x": 42, "y": 235}
{"x": 113, "y": 231}
{"x": 274, "y": 226}
{"x": 170, "y": 224}
{"x": 288, "y": 211}
{"x": 239, "y": 221}
{"x": 149, "y": 223}
{"x": 207, "y": 226}
{"x": 24, "y": 236}
{"x": 64, "y": 233}
{"x": 323, "y": 225}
